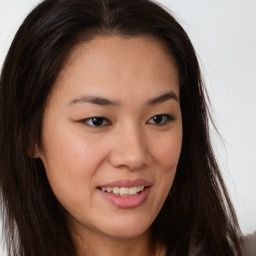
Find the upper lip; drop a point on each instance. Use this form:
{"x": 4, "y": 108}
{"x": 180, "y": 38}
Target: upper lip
{"x": 127, "y": 183}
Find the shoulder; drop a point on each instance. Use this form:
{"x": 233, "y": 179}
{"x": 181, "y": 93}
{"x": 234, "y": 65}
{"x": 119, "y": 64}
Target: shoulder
{"x": 249, "y": 245}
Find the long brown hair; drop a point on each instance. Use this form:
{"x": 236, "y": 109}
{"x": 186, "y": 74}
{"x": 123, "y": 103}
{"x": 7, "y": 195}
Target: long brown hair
{"x": 197, "y": 216}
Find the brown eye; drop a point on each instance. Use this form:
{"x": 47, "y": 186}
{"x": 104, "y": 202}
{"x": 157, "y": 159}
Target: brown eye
{"x": 96, "y": 121}
{"x": 160, "y": 119}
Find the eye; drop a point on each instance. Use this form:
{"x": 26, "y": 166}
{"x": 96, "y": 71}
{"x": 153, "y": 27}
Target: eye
{"x": 96, "y": 121}
{"x": 160, "y": 119}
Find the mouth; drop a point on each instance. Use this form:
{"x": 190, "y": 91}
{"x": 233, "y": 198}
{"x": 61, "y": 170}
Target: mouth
{"x": 123, "y": 191}
{"x": 126, "y": 193}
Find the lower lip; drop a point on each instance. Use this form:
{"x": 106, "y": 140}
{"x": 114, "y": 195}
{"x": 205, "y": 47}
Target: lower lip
{"x": 127, "y": 201}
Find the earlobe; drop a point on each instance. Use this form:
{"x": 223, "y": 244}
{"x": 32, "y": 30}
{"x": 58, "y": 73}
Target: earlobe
{"x": 34, "y": 152}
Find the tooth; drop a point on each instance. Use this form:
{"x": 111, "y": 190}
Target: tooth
{"x": 115, "y": 190}
{"x": 109, "y": 189}
{"x": 124, "y": 191}
{"x": 133, "y": 191}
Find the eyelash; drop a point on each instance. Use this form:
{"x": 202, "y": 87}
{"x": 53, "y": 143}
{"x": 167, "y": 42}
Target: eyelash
{"x": 167, "y": 118}
{"x": 96, "y": 118}
{"x": 102, "y": 121}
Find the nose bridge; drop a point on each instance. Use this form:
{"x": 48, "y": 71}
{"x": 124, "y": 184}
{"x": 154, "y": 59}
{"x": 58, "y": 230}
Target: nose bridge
{"x": 130, "y": 148}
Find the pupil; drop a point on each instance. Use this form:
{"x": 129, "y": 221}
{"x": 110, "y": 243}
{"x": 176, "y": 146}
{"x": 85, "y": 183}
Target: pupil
{"x": 97, "y": 121}
{"x": 158, "y": 119}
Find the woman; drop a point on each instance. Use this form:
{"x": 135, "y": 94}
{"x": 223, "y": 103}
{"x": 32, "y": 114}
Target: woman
{"x": 105, "y": 146}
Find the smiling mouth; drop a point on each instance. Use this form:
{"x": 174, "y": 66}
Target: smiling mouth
{"x": 123, "y": 191}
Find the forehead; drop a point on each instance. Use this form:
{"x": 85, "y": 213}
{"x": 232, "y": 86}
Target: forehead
{"x": 119, "y": 66}
{"x": 119, "y": 49}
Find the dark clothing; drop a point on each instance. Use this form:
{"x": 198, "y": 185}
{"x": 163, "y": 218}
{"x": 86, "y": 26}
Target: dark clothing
{"x": 248, "y": 246}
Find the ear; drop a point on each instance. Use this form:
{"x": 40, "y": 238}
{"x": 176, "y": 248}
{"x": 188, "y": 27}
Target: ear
{"x": 34, "y": 151}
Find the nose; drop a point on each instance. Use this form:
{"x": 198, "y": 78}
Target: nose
{"x": 130, "y": 150}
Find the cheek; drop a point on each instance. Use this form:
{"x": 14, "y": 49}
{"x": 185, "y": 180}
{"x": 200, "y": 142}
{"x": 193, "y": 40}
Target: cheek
{"x": 70, "y": 167}
{"x": 70, "y": 149}
{"x": 167, "y": 151}
{"x": 70, "y": 162}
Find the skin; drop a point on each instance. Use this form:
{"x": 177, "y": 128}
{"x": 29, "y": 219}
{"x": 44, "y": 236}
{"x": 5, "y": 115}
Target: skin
{"x": 129, "y": 144}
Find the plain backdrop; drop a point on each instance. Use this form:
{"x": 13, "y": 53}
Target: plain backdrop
{"x": 224, "y": 35}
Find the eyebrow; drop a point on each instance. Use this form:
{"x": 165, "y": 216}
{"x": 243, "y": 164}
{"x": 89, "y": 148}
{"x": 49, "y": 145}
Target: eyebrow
{"x": 107, "y": 102}
{"x": 162, "y": 98}
{"x": 95, "y": 100}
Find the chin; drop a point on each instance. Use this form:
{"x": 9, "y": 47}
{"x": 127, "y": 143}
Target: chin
{"x": 127, "y": 228}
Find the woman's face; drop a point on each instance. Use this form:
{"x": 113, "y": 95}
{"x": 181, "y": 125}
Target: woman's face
{"x": 112, "y": 135}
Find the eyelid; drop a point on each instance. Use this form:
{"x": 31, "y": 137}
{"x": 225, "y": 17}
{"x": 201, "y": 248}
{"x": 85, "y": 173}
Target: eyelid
{"x": 103, "y": 121}
{"x": 167, "y": 119}
{"x": 106, "y": 122}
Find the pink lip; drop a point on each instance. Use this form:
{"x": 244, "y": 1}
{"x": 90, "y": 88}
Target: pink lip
{"x": 128, "y": 201}
{"x": 127, "y": 183}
